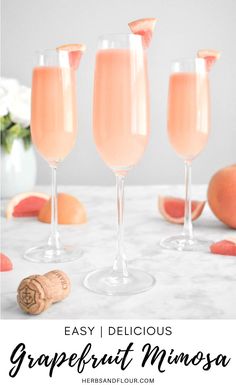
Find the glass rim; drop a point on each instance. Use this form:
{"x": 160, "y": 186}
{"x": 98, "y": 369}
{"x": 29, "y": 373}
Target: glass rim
{"x": 51, "y": 57}
{"x": 197, "y": 65}
{"x": 117, "y": 34}
{"x": 188, "y": 60}
{"x": 44, "y": 51}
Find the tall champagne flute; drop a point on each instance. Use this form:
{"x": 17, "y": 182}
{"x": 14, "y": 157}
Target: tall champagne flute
{"x": 53, "y": 130}
{"x": 188, "y": 130}
{"x": 121, "y": 132}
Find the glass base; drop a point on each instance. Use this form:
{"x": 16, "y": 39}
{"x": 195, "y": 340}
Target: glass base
{"x": 48, "y": 254}
{"x": 105, "y": 281}
{"x": 183, "y": 243}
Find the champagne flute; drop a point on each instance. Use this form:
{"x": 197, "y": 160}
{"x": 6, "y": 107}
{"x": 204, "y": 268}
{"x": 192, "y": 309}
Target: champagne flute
{"x": 121, "y": 132}
{"x": 53, "y": 130}
{"x": 188, "y": 130}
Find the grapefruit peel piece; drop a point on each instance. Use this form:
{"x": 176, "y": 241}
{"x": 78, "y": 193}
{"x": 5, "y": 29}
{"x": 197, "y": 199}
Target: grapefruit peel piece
{"x": 26, "y": 204}
{"x": 210, "y": 56}
{"x": 145, "y": 28}
{"x": 75, "y": 52}
{"x": 5, "y": 263}
{"x": 172, "y": 208}
{"x": 225, "y": 247}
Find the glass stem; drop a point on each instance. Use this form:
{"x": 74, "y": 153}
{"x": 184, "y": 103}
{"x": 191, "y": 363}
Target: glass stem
{"x": 120, "y": 264}
{"x": 188, "y": 227}
{"x": 54, "y": 240}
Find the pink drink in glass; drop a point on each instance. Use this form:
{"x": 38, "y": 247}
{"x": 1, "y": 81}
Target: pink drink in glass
{"x": 121, "y": 112}
{"x": 188, "y": 115}
{"x": 54, "y": 111}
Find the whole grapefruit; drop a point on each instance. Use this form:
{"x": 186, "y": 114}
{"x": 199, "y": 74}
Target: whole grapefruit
{"x": 222, "y": 195}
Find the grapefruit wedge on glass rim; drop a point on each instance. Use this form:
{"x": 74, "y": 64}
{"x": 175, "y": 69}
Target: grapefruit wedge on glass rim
{"x": 145, "y": 28}
{"x": 210, "y": 56}
{"x": 26, "y": 204}
{"x": 172, "y": 209}
{"x": 75, "y": 52}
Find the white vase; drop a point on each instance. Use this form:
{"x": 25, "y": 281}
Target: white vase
{"x": 18, "y": 169}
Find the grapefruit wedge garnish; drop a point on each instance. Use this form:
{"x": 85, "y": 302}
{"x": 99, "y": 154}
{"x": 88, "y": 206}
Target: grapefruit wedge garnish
{"x": 70, "y": 210}
{"x": 75, "y": 52}
{"x": 5, "y": 263}
{"x": 26, "y": 204}
{"x": 210, "y": 56}
{"x": 225, "y": 247}
{"x": 172, "y": 209}
{"x": 145, "y": 28}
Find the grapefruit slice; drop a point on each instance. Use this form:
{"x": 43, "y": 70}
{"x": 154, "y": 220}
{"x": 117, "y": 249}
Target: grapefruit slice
{"x": 26, "y": 204}
{"x": 75, "y": 52}
{"x": 70, "y": 211}
{"x": 145, "y": 28}
{"x": 210, "y": 56}
{"x": 225, "y": 247}
{"x": 5, "y": 263}
{"x": 172, "y": 209}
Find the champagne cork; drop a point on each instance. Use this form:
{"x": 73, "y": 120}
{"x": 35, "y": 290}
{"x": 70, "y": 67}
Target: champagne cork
{"x": 36, "y": 293}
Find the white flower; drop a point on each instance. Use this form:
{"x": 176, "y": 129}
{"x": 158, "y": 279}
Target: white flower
{"x": 7, "y": 88}
{"x": 3, "y": 103}
{"x": 15, "y": 99}
{"x": 20, "y": 106}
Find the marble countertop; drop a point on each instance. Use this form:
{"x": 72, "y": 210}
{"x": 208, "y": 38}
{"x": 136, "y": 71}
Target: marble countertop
{"x": 189, "y": 285}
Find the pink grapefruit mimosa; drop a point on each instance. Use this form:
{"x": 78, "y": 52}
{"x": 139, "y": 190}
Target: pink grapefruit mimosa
{"x": 188, "y": 129}
{"x": 121, "y": 131}
{"x": 53, "y": 129}
{"x": 121, "y": 112}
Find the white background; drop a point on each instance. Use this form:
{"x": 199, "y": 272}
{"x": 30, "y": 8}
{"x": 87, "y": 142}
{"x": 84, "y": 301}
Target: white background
{"x": 47, "y": 337}
{"x": 184, "y": 26}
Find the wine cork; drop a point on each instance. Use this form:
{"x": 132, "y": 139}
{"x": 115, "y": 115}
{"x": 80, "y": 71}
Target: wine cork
{"x": 36, "y": 293}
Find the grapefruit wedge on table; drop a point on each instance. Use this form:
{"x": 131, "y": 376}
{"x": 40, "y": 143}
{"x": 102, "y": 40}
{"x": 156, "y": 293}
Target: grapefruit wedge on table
{"x": 26, "y": 204}
{"x": 172, "y": 208}
{"x": 70, "y": 211}
{"x": 5, "y": 263}
{"x": 145, "y": 28}
{"x": 210, "y": 56}
{"x": 225, "y": 247}
{"x": 75, "y": 52}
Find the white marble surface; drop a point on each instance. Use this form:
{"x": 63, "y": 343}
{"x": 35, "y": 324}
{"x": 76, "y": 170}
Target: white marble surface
{"x": 189, "y": 285}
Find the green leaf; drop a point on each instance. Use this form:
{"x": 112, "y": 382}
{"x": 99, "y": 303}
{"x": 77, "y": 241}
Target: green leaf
{"x": 7, "y": 140}
{"x": 24, "y": 132}
{"x": 5, "y": 122}
{"x": 15, "y": 130}
{"x": 11, "y": 131}
{"x": 27, "y": 142}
